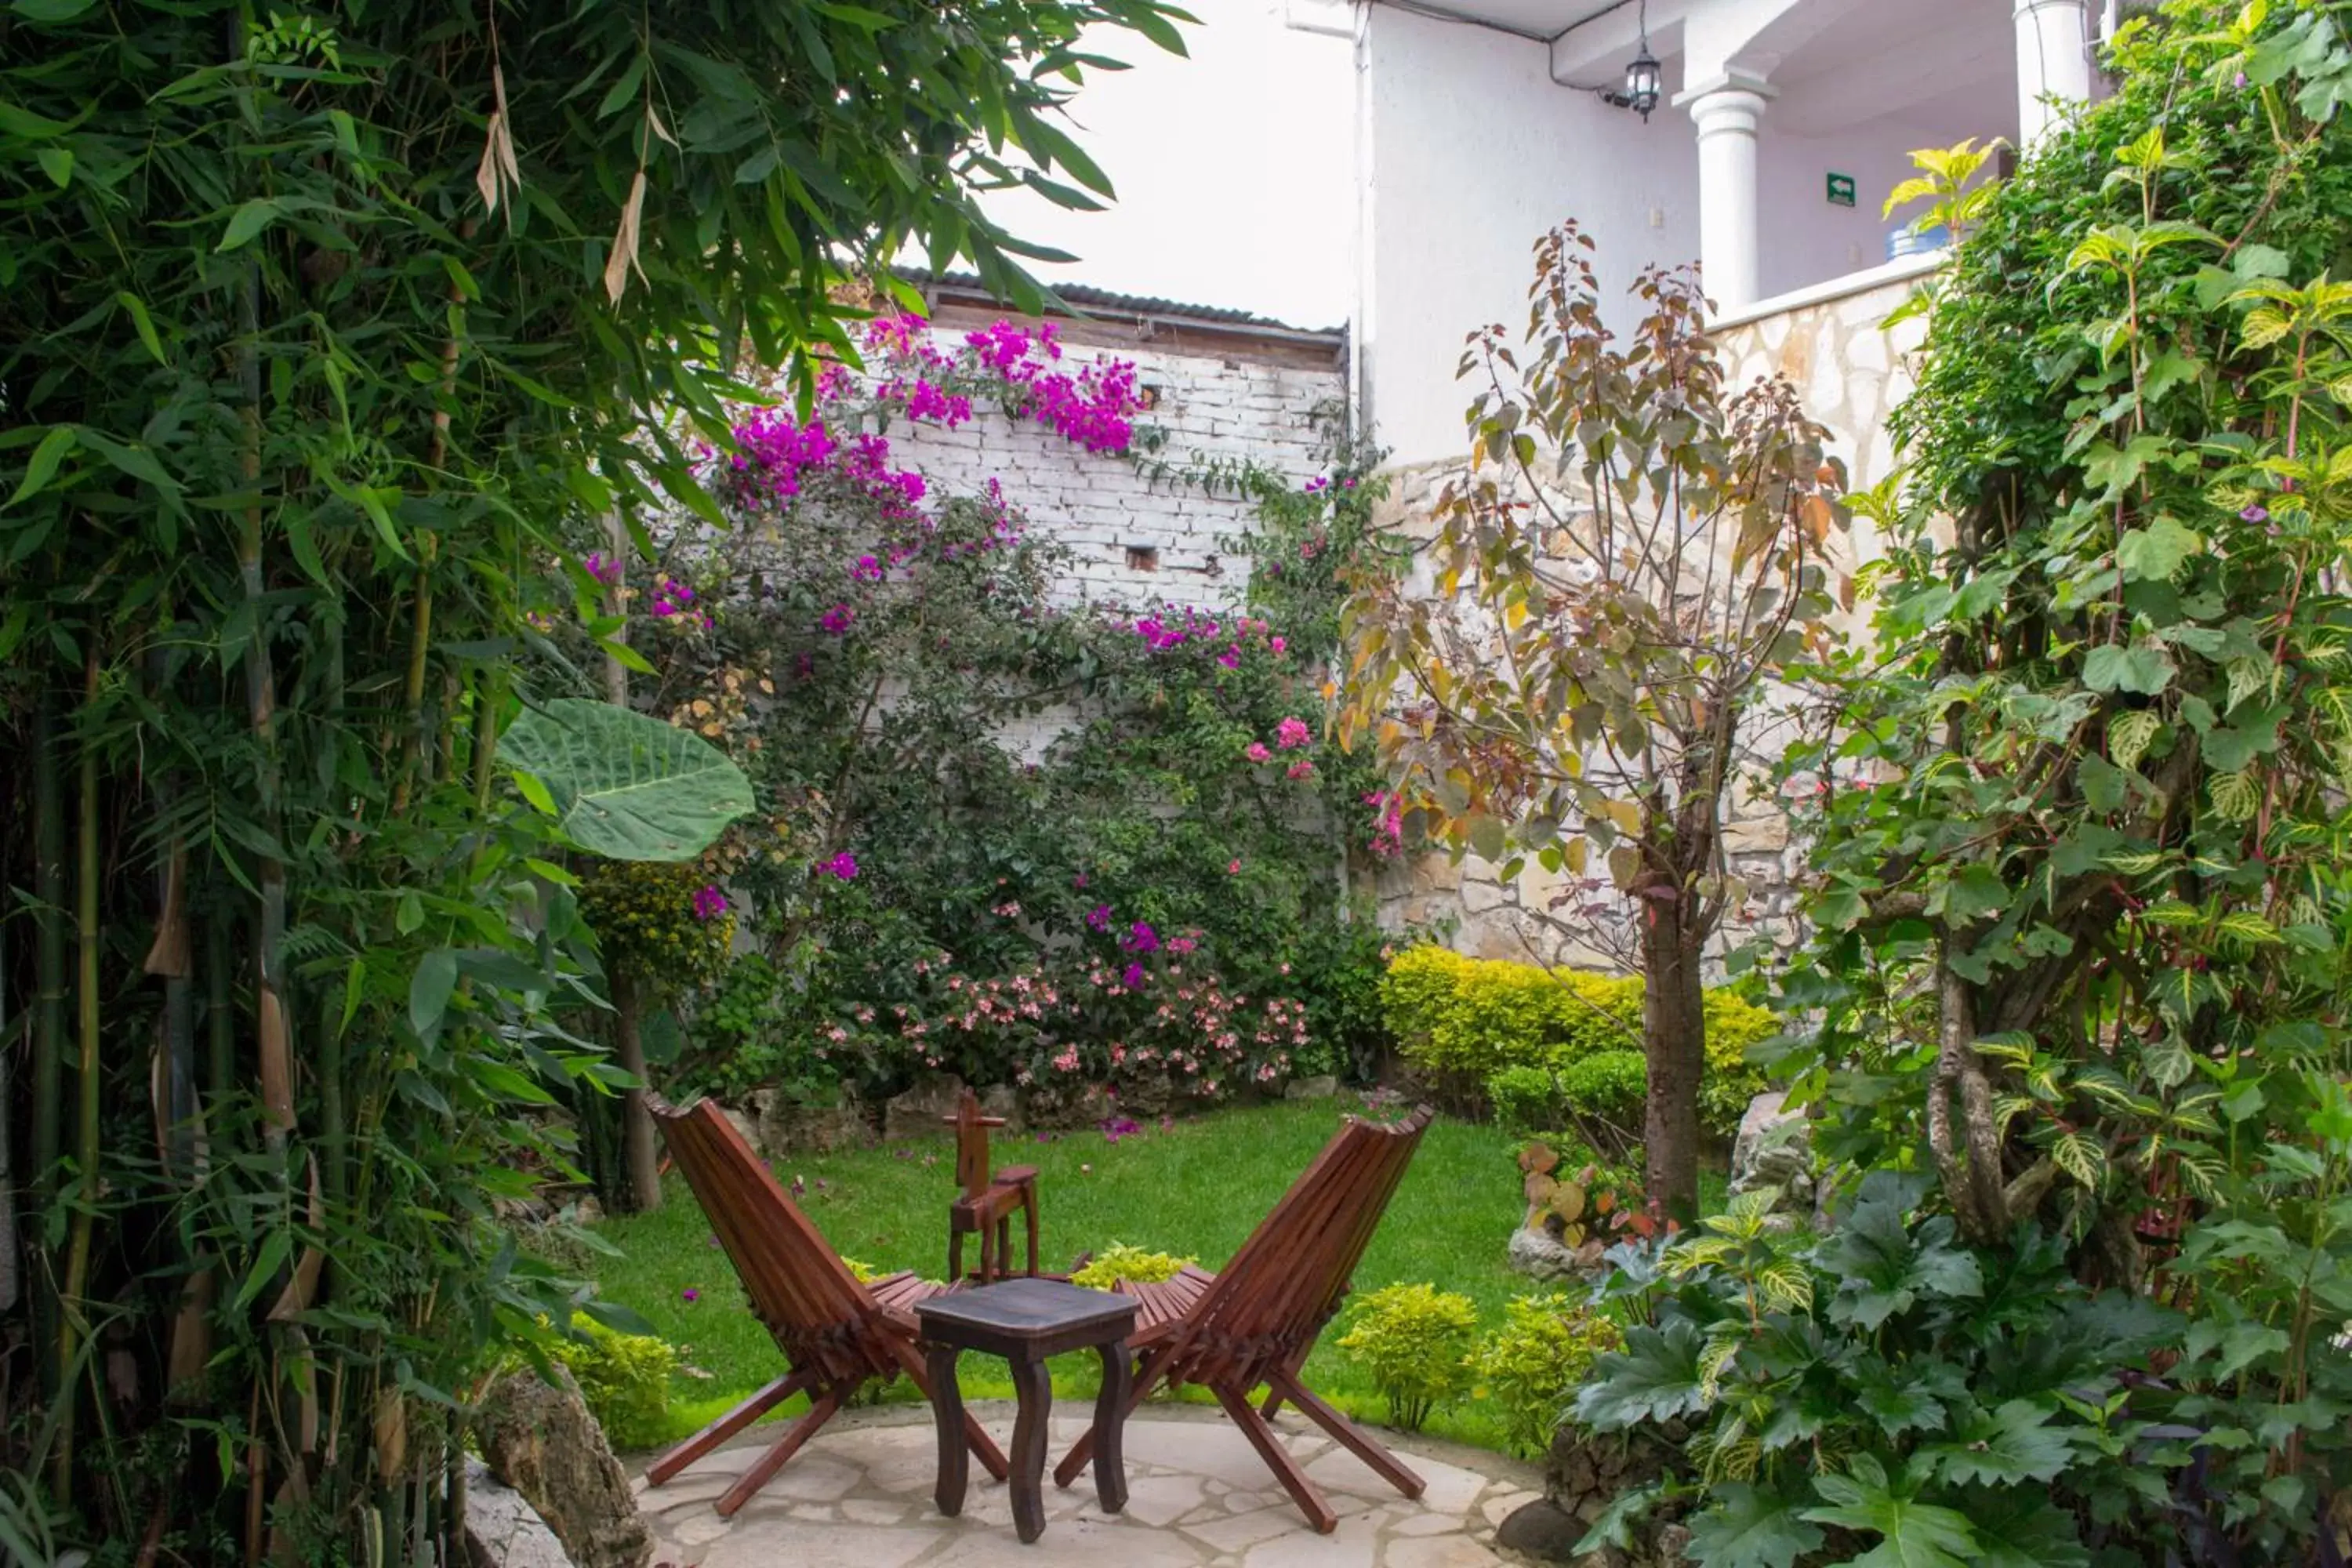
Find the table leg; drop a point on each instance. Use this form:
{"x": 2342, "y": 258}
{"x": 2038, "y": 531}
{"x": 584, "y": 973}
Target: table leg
{"x": 947, "y": 1406}
{"x": 1110, "y": 1413}
{"x": 1032, "y": 1388}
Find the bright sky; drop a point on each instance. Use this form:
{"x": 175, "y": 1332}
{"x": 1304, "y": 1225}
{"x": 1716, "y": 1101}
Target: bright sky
{"x": 1233, "y": 169}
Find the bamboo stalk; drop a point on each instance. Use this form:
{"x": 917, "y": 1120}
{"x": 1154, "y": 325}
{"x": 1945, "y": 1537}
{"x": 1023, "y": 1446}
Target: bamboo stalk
{"x": 179, "y": 1111}
{"x": 11, "y": 1264}
{"x": 220, "y": 1016}
{"x": 334, "y": 1115}
{"x": 48, "y": 1012}
{"x": 86, "y": 1151}
{"x": 49, "y": 948}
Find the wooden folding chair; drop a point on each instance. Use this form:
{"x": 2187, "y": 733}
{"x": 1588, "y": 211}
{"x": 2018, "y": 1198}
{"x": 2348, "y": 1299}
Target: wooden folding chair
{"x": 1253, "y": 1324}
{"x": 835, "y": 1332}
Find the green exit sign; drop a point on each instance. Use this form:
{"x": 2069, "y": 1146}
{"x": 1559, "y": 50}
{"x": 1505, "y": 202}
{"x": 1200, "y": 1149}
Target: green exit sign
{"x": 1841, "y": 190}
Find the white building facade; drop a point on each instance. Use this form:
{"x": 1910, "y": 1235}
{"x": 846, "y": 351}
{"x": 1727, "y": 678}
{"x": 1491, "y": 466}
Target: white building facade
{"x": 1779, "y": 130}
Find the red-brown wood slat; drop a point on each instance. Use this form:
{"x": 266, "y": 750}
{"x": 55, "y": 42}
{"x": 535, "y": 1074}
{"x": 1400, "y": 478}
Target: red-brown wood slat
{"x": 835, "y": 1332}
{"x": 1254, "y": 1321}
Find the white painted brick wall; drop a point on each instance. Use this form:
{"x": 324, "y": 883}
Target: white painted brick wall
{"x": 1098, "y": 505}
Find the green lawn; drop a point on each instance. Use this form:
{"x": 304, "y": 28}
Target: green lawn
{"x": 1195, "y": 1190}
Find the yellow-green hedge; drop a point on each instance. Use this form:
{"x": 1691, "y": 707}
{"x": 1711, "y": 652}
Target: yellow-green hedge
{"x": 1462, "y": 1020}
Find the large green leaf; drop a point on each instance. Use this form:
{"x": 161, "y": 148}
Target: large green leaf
{"x": 1747, "y": 1527}
{"x": 624, "y": 786}
{"x": 2015, "y": 1527}
{"x": 2004, "y": 1446}
{"x": 1655, "y": 1378}
{"x": 1913, "y": 1534}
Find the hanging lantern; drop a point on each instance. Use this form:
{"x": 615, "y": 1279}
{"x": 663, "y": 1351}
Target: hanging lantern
{"x": 1642, "y": 83}
{"x": 1643, "y": 77}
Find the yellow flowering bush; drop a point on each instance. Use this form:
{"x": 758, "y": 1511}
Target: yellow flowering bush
{"x": 1533, "y": 1365}
{"x": 668, "y": 921}
{"x": 1119, "y": 1261}
{"x": 1411, "y": 1339}
{"x": 1492, "y": 1029}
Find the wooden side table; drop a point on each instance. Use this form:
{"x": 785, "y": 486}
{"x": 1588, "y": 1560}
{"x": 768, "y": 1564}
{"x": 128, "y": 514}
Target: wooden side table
{"x": 1025, "y": 1320}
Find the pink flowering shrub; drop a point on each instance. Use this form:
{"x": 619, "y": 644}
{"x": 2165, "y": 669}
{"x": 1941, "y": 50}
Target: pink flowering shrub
{"x": 1146, "y": 901}
{"x": 1166, "y": 1024}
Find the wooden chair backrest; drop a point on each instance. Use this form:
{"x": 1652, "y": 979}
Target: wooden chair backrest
{"x": 971, "y": 1144}
{"x": 1289, "y": 1277}
{"x": 798, "y": 1284}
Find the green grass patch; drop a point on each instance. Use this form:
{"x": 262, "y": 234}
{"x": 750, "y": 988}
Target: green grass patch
{"x": 1197, "y": 1189}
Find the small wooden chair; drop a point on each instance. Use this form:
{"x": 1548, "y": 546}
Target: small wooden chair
{"x": 989, "y": 1201}
{"x": 1255, "y": 1323}
{"x": 835, "y": 1334}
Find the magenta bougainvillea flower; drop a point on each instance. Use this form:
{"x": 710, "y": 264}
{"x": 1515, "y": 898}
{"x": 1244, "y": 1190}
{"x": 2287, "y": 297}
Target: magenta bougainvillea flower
{"x": 1301, "y": 769}
{"x": 1278, "y": 646}
{"x": 1133, "y": 978}
{"x": 1257, "y": 753}
{"x": 1099, "y": 917}
{"x": 843, "y": 866}
{"x": 710, "y": 903}
{"x": 690, "y": 1294}
{"x": 604, "y": 568}
{"x": 1141, "y": 938}
{"x": 867, "y": 570}
{"x": 835, "y": 621}
{"x": 1291, "y": 734}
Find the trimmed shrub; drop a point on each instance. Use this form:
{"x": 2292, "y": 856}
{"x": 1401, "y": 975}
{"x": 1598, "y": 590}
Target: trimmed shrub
{"x": 1119, "y": 1261}
{"x": 1734, "y": 1023}
{"x": 1532, "y": 1365}
{"x": 1526, "y": 1099}
{"x": 1468, "y": 1022}
{"x": 1465, "y": 1018}
{"x": 1609, "y": 1088}
{"x": 623, "y": 1377}
{"x": 1412, "y": 1340}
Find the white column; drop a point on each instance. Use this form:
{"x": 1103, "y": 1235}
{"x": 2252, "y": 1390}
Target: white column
{"x": 2054, "y": 60}
{"x": 1729, "y": 243}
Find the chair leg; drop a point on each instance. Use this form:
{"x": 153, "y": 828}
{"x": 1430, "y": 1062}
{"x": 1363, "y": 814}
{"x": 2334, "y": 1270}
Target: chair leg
{"x": 1029, "y": 1210}
{"x": 726, "y": 1426}
{"x": 1277, "y": 1458}
{"x": 1083, "y": 1450}
{"x": 764, "y": 1470}
{"x": 1348, "y": 1435}
{"x": 976, "y": 1437}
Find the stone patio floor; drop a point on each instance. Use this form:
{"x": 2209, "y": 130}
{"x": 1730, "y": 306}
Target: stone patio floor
{"x": 859, "y": 1496}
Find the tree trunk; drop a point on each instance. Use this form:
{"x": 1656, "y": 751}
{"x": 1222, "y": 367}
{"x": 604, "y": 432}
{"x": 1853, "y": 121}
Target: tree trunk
{"x": 1673, "y": 1040}
{"x": 640, "y": 1170}
{"x": 640, "y": 1173}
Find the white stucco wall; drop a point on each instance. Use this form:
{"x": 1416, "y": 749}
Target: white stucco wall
{"x": 1805, "y": 239}
{"x": 1467, "y": 150}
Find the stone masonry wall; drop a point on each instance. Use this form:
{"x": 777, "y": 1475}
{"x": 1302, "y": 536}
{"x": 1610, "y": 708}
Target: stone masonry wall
{"x": 1852, "y": 375}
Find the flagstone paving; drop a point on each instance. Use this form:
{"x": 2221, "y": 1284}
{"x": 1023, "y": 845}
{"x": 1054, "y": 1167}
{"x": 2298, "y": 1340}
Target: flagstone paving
{"x": 859, "y": 1496}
